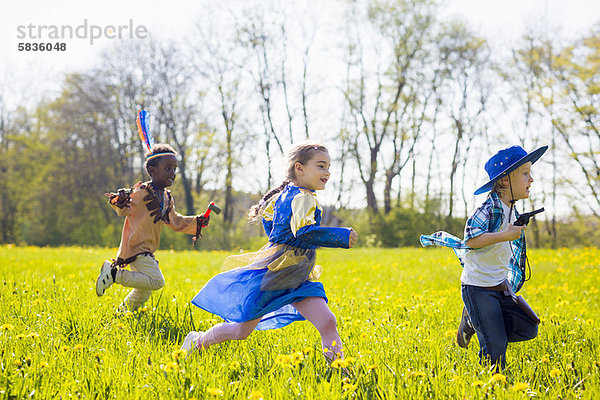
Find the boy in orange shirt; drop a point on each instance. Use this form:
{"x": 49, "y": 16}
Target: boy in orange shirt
{"x": 147, "y": 207}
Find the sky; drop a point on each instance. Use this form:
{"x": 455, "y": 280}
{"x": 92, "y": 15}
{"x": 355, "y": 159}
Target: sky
{"x": 499, "y": 21}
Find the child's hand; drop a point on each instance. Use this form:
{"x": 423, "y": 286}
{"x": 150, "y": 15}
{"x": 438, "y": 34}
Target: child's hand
{"x": 514, "y": 232}
{"x": 353, "y": 238}
{"x": 203, "y": 220}
{"x": 121, "y": 198}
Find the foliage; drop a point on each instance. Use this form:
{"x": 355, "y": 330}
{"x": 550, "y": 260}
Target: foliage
{"x": 400, "y": 228}
{"x": 397, "y": 313}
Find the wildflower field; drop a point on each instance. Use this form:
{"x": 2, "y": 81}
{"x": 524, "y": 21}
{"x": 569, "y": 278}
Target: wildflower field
{"x": 397, "y": 311}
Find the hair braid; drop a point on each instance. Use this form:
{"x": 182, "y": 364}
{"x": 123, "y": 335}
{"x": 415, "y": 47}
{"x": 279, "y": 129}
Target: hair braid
{"x": 256, "y": 210}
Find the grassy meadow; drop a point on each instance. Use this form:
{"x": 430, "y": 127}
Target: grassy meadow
{"x": 397, "y": 311}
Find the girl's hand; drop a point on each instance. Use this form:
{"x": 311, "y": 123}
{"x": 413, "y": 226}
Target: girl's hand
{"x": 353, "y": 238}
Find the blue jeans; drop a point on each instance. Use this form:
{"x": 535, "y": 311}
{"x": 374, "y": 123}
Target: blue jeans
{"x": 497, "y": 321}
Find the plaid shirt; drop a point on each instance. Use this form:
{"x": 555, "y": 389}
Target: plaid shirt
{"x": 487, "y": 218}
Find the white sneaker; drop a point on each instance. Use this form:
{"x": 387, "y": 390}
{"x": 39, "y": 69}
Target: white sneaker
{"x": 189, "y": 343}
{"x": 105, "y": 279}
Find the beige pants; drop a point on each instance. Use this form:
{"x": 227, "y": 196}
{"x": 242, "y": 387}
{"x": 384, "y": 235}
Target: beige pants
{"x": 144, "y": 277}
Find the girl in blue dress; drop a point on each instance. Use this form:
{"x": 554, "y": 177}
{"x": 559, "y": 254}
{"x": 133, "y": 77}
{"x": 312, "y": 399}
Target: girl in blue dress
{"x": 277, "y": 285}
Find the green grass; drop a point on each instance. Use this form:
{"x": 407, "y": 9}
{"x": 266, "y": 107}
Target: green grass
{"x": 397, "y": 312}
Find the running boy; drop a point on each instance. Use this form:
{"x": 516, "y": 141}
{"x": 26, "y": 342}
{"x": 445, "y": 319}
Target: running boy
{"x": 147, "y": 207}
{"x": 493, "y": 256}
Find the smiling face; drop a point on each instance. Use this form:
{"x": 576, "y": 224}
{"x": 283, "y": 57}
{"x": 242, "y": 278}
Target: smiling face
{"x": 313, "y": 174}
{"x": 163, "y": 174}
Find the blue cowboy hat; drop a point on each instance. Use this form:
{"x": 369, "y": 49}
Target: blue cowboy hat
{"x": 507, "y": 160}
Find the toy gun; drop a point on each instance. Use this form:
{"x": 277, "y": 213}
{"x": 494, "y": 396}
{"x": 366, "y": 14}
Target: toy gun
{"x": 202, "y": 221}
{"x": 523, "y": 219}
{"x": 217, "y": 210}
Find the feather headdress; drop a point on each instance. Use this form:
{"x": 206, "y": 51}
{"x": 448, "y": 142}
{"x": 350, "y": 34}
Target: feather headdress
{"x": 144, "y": 131}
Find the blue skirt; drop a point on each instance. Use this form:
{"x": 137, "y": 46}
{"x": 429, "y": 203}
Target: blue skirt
{"x": 264, "y": 287}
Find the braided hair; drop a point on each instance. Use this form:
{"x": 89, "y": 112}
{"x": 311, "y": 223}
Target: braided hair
{"x": 302, "y": 154}
{"x": 157, "y": 148}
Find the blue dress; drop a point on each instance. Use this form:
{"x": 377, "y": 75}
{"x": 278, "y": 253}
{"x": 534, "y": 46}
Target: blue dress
{"x": 264, "y": 284}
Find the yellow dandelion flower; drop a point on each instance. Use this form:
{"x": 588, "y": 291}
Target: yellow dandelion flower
{"x": 333, "y": 343}
{"x": 65, "y": 348}
{"x": 498, "y": 378}
{"x": 120, "y": 326}
{"x": 78, "y": 347}
{"x": 371, "y": 367}
{"x": 171, "y": 367}
{"x": 177, "y": 354}
{"x": 214, "y": 391}
{"x": 545, "y": 359}
{"x": 18, "y": 363}
{"x": 297, "y": 357}
{"x": 520, "y": 386}
{"x": 128, "y": 314}
{"x": 234, "y": 365}
{"x": 6, "y": 327}
{"x": 283, "y": 359}
{"x": 477, "y": 383}
{"x": 256, "y": 394}
{"x": 363, "y": 335}
{"x": 339, "y": 363}
{"x": 554, "y": 372}
{"x": 349, "y": 387}
{"x": 451, "y": 333}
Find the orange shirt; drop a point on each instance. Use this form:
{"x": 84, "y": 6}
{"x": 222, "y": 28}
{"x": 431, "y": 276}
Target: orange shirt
{"x": 144, "y": 221}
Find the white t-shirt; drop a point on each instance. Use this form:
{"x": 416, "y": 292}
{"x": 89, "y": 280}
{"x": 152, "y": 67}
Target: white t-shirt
{"x": 488, "y": 266}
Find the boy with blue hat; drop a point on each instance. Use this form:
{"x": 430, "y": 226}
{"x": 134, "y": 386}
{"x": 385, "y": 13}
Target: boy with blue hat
{"x": 493, "y": 256}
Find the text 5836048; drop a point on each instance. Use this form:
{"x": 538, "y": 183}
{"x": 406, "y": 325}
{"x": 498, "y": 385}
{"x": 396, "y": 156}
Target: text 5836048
{"x": 49, "y": 46}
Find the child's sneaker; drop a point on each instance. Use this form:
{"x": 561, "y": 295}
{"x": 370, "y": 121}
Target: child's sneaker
{"x": 189, "y": 343}
{"x": 465, "y": 330}
{"x": 105, "y": 279}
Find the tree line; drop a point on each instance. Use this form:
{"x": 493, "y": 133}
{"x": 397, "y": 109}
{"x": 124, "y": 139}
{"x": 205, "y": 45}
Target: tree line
{"x": 410, "y": 104}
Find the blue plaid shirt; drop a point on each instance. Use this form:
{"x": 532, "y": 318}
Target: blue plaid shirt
{"x": 487, "y": 218}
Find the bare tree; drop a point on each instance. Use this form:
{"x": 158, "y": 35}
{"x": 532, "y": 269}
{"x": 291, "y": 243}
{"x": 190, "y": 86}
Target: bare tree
{"x": 399, "y": 32}
{"x": 577, "y": 71}
{"x": 467, "y": 91}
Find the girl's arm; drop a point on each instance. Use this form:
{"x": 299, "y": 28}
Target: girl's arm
{"x": 268, "y": 226}
{"x": 267, "y": 217}
{"x": 304, "y": 226}
{"x": 324, "y": 236}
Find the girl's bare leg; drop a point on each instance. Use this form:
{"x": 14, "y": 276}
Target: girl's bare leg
{"x": 226, "y": 331}
{"x": 315, "y": 310}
